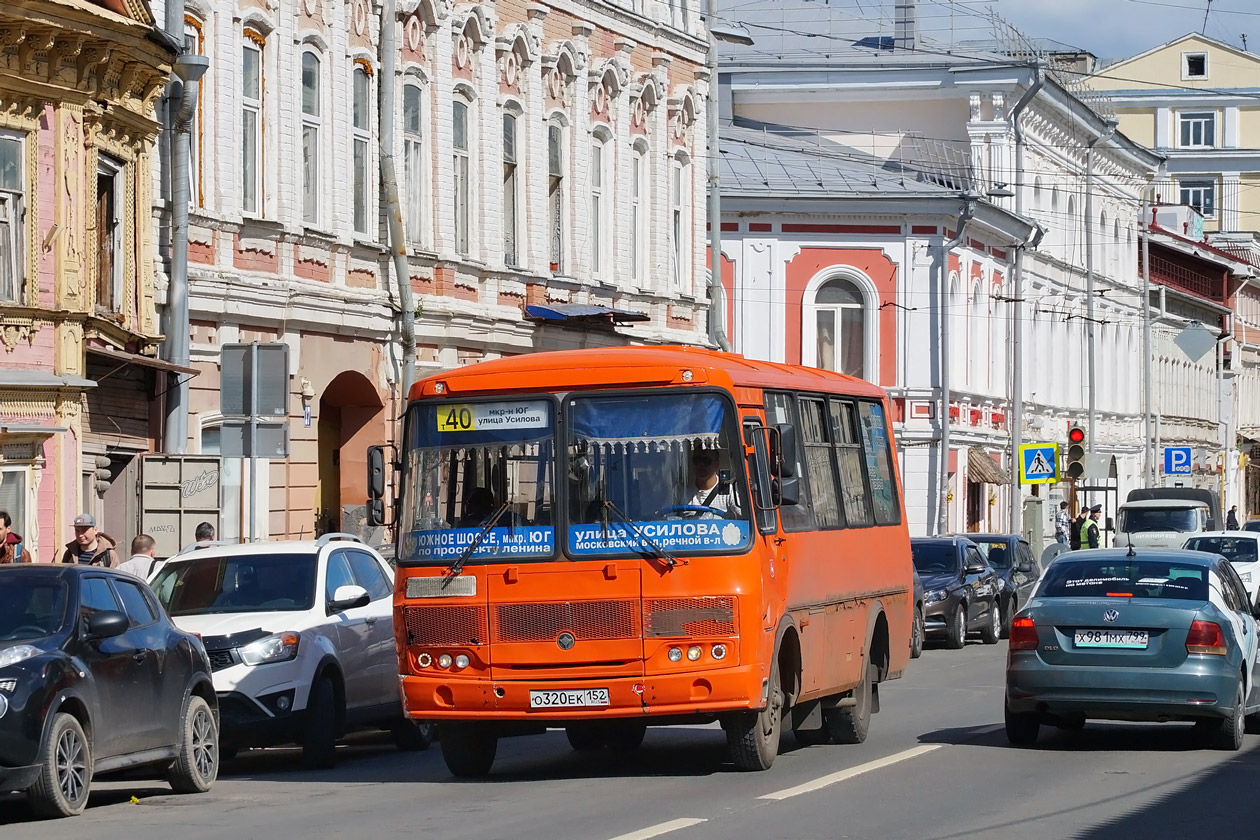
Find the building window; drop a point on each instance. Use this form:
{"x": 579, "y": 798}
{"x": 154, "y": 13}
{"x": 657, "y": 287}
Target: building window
{"x": 109, "y": 229}
{"x": 555, "y": 194}
{"x": 362, "y": 133}
{"x": 413, "y": 160}
{"x": 599, "y": 207}
{"x": 310, "y": 137}
{"x": 463, "y": 172}
{"x": 12, "y": 235}
{"x": 194, "y": 41}
{"x": 1194, "y": 66}
{"x": 511, "y": 191}
{"x": 639, "y": 204}
{"x": 251, "y": 125}
{"x": 840, "y": 324}
{"x": 13, "y": 499}
{"x": 680, "y": 224}
{"x": 1201, "y": 195}
{"x": 1197, "y": 130}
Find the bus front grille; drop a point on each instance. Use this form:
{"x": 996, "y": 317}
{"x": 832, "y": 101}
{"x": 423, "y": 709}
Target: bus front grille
{"x": 685, "y": 617}
{"x": 586, "y": 620}
{"x": 445, "y": 626}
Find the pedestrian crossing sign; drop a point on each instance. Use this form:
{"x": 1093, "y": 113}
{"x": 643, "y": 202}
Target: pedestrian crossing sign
{"x": 1038, "y": 463}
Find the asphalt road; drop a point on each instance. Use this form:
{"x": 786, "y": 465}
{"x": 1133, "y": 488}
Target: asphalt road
{"x": 935, "y": 766}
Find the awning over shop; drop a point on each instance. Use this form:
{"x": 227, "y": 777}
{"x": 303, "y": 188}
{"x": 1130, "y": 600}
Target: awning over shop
{"x": 122, "y": 358}
{"x": 42, "y": 379}
{"x": 982, "y": 469}
{"x": 580, "y": 313}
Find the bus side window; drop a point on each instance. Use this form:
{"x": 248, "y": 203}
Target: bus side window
{"x": 848, "y": 446}
{"x": 758, "y": 465}
{"x": 879, "y": 463}
{"x": 816, "y": 439}
{"x": 780, "y": 408}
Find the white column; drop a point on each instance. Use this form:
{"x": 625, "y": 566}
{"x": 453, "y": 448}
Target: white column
{"x": 1163, "y": 128}
{"x": 1230, "y": 140}
{"x": 1230, "y": 182}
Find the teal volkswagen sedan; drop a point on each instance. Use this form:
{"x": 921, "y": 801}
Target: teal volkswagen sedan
{"x": 1135, "y": 635}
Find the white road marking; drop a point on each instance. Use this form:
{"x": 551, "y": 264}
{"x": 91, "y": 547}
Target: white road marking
{"x": 833, "y": 778}
{"x": 659, "y": 829}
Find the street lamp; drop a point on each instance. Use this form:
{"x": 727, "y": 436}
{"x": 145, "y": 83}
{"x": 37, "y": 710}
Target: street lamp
{"x": 730, "y": 35}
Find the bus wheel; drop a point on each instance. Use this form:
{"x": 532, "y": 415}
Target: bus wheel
{"x": 467, "y": 748}
{"x": 624, "y": 735}
{"x": 753, "y": 737}
{"x": 584, "y": 736}
{"x": 850, "y": 724}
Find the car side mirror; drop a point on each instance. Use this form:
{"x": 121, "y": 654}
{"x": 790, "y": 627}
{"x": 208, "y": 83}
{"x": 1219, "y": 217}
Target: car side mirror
{"x": 106, "y": 624}
{"x": 348, "y": 597}
{"x": 1024, "y": 566}
{"x": 973, "y": 568}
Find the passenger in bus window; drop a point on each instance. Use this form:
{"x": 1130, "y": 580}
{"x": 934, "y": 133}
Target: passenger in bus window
{"x": 708, "y": 490}
{"x": 477, "y": 508}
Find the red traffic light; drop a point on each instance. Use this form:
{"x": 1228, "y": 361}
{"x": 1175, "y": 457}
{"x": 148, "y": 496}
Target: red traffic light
{"x": 1076, "y": 434}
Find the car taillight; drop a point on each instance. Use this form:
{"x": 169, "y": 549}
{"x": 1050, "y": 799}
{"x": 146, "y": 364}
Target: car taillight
{"x": 1206, "y": 637}
{"x": 1023, "y": 634}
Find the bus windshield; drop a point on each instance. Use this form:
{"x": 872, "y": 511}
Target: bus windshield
{"x": 478, "y": 482}
{"x": 653, "y": 473}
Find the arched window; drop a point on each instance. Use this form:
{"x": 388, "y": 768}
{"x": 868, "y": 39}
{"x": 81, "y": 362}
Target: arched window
{"x": 414, "y": 169}
{"x": 680, "y": 222}
{"x": 460, "y": 121}
{"x": 977, "y": 350}
{"x": 252, "y": 86}
{"x": 511, "y": 190}
{"x": 557, "y": 227}
{"x": 640, "y": 212}
{"x": 311, "y": 112}
{"x": 194, "y": 44}
{"x": 840, "y": 324}
{"x": 362, "y": 134}
{"x": 600, "y": 218}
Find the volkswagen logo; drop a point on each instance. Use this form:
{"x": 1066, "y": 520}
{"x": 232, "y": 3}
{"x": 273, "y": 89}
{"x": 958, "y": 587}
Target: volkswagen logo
{"x": 1110, "y": 615}
{"x": 565, "y": 641}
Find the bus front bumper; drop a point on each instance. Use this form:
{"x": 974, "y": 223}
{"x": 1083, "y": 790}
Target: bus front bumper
{"x": 741, "y": 688}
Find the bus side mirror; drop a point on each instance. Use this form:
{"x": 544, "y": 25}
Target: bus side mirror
{"x": 375, "y": 513}
{"x": 783, "y": 450}
{"x": 789, "y": 491}
{"x": 376, "y": 473}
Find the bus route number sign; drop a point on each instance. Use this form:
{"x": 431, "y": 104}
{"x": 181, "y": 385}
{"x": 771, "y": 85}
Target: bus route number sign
{"x": 475, "y": 417}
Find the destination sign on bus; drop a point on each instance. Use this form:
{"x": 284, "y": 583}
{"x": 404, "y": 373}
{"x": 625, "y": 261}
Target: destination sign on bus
{"x": 493, "y": 416}
{"x": 448, "y": 543}
{"x": 671, "y": 535}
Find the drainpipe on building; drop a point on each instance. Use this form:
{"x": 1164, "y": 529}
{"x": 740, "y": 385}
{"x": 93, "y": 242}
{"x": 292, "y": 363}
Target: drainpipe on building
{"x": 1017, "y": 305}
{"x": 389, "y": 185}
{"x": 717, "y": 298}
{"x": 1089, "y": 282}
{"x": 968, "y": 212}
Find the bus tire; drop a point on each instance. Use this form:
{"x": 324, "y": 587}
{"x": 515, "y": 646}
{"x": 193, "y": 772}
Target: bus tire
{"x": 467, "y": 748}
{"x": 851, "y": 724}
{"x": 584, "y": 736}
{"x": 624, "y": 735}
{"x": 753, "y": 737}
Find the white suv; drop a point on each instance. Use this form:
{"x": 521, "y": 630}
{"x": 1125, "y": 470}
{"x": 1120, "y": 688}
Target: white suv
{"x": 300, "y": 638}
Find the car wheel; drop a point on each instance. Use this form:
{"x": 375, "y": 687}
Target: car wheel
{"x": 1227, "y": 734}
{"x": 1022, "y": 727}
{"x": 851, "y": 724}
{"x": 197, "y": 764}
{"x": 917, "y": 633}
{"x": 956, "y": 636}
{"x": 413, "y": 735}
{"x": 319, "y": 743}
{"x": 65, "y": 771}
{"x": 468, "y": 748}
{"x": 1012, "y": 607}
{"x": 753, "y": 737}
{"x": 992, "y": 629}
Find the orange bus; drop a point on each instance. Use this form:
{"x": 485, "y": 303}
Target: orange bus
{"x": 603, "y": 540}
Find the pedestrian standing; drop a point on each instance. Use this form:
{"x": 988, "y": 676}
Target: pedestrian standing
{"x": 1231, "y": 519}
{"x": 1074, "y": 533}
{"x": 11, "y": 548}
{"x": 143, "y": 561}
{"x": 89, "y": 547}
{"x": 204, "y": 535}
{"x": 1062, "y": 524}
{"x": 1089, "y": 528}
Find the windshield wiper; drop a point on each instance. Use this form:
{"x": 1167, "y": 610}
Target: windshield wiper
{"x": 657, "y": 553}
{"x": 458, "y": 566}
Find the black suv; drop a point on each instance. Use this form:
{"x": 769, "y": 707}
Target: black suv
{"x": 94, "y": 678}
{"x": 961, "y": 592}
{"x": 1011, "y": 558}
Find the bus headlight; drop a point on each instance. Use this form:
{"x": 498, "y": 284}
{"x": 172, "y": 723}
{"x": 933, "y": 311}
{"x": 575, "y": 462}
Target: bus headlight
{"x": 461, "y": 661}
{"x": 444, "y": 661}
{"x": 675, "y": 654}
{"x": 694, "y": 652}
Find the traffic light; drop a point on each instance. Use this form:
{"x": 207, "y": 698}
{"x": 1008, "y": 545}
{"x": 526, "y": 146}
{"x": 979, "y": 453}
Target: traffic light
{"x": 1074, "y": 462}
{"x": 103, "y": 475}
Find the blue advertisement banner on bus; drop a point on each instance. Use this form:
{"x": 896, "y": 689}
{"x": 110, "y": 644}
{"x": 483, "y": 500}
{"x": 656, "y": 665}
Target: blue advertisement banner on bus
{"x": 673, "y": 535}
{"x": 450, "y": 543}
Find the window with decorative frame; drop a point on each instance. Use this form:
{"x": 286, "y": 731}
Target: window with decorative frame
{"x": 414, "y": 169}
{"x": 600, "y": 219}
{"x": 839, "y": 322}
{"x": 461, "y": 145}
{"x": 12, "y": 216}
{"x": 361, "y": 134}
{"x": 194, "y": 44}
{"x": 557, "y": 226}
{"x": 640, "y": 212}
{"x": 680, "y": 222}
{"x": 511, "y": 190}
{"x": 252, "y": 86}
{"x": 312, "y": 111}
{"x": 13, "y": 493}
{"x": 110, "y": 191}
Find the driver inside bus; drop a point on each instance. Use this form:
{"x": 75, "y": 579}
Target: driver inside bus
{"x": 707, "y": 488}
{"x": 477, "y": 509}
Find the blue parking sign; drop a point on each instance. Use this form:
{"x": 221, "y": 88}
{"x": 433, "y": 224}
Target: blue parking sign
{"x": 1177, "y": 460}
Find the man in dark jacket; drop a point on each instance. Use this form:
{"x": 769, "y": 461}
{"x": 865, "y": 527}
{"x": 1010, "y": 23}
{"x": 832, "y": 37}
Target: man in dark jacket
{"x": 11, "y": 548}
{"x": 89, "y": 547}
{"x": 1074, "y": 533}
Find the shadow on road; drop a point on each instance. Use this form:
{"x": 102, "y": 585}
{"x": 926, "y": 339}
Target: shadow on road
{"x": 1097, "y": 736}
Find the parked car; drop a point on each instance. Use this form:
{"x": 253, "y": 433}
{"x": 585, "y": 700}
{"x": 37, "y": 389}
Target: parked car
{"x": 918, "y": 630}
{"x": 1137, "y": 634}
{"x": 1240, "y": 549}
{"x": 94, "y": 679}
{"x": 1011, "y": 558}
{"x": 1251, "y": 525}
{"x": 960, "y": 590}
{"x": 300, "y": 638}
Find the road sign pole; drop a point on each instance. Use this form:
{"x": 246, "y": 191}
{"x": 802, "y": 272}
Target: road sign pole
{"x": 251, "y": 443}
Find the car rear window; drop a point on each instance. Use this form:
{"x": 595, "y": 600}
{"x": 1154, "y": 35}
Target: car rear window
{"x": 1125, "y": 578}
{"x": 1233, "y": 549}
